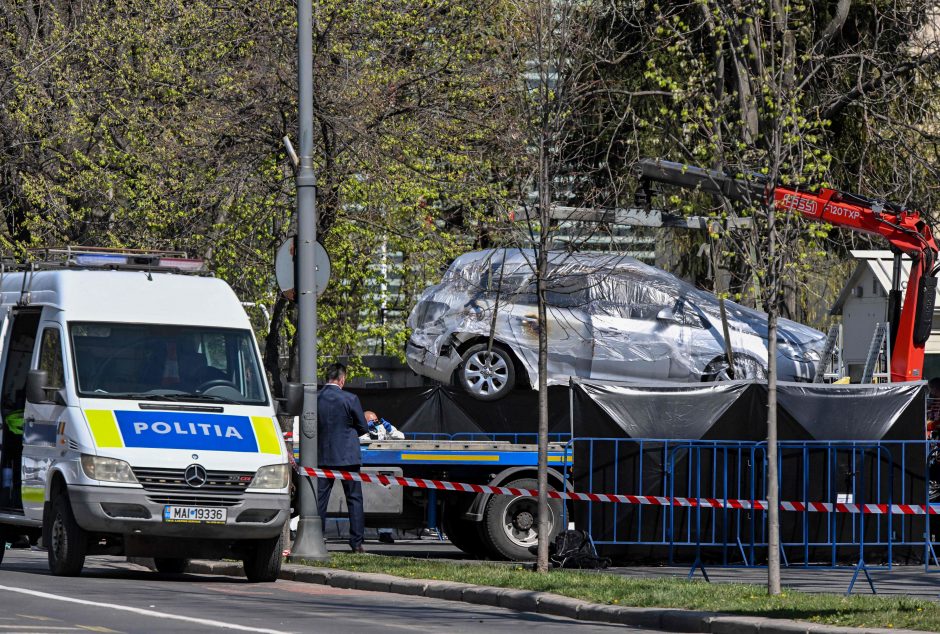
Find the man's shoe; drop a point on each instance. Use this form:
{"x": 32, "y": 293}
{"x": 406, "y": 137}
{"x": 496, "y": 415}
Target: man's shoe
{"x": 386, "y": 538}
{"x": 359, "y": 549}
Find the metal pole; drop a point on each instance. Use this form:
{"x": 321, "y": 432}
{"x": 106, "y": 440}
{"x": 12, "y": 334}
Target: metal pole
{"x": 309, "y": 544}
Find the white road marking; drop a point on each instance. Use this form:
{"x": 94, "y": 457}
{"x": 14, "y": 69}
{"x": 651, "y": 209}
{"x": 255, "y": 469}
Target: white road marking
{"x": 125, "y": 608}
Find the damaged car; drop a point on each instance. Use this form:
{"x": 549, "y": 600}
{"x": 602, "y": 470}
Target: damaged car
{"x": 609, "y": 317}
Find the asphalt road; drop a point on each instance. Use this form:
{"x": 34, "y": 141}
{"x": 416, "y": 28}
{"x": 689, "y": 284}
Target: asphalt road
{"x": 113, "y": 595}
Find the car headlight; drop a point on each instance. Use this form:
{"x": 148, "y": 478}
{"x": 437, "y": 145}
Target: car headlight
{"x": 107, "y": 469}
{"x": 806, "y": 355}
{"x": 273, "y": 476}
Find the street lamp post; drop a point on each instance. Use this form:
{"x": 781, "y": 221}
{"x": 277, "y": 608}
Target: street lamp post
{"x": 309, "y": 543}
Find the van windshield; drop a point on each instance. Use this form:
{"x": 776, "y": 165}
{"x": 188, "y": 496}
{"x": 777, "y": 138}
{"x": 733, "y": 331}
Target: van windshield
{"x": 175, "y": 363}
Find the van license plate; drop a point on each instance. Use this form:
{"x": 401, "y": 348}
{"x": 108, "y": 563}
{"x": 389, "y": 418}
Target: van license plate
{"x": 197, "y": 514}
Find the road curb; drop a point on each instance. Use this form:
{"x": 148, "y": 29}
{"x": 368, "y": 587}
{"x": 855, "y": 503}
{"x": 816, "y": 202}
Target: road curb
{"x": 666, "y": 620}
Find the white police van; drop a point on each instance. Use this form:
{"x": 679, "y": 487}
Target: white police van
{"x": 136, "y": 419}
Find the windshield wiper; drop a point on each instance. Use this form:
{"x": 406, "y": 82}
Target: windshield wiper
{"x": 190, "y": 396}
{"x": 143, "y": 396}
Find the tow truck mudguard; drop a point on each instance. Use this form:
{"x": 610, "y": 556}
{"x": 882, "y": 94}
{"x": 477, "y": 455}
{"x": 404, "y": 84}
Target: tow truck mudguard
{"x": 475, "y": 511}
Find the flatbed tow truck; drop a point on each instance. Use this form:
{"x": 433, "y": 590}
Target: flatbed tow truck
{"x": 482, "y": 525}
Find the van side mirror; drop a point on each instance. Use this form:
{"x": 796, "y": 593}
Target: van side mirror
{"x": 35, "y": 383}
{"x": 293, "y": 403}
{"x": 38, "y": 392}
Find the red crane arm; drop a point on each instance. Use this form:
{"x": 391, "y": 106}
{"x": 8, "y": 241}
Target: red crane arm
{"x": 904, "y": 229}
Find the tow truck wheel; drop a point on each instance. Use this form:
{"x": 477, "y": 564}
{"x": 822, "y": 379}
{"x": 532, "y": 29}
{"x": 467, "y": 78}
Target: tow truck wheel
{"x": 67, "y": 540}
{"x": 511, "y": 523}
{"x": 463, "y": 533}
{"x": 263, "y": 559}
{"x": 170, "y": 566}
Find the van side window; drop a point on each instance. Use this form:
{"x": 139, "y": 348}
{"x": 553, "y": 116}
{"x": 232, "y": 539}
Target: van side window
{"x": 50, "y": 357}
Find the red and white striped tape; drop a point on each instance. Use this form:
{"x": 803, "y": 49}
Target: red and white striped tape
{"x": 653, "y": 500}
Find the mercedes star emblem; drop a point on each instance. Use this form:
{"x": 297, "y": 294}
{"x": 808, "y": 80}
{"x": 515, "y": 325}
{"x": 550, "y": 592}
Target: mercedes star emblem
{"x": 195, "y": 475}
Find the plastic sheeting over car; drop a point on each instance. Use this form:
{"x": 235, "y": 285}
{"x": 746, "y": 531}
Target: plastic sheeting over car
{"x": 609, "y": 317}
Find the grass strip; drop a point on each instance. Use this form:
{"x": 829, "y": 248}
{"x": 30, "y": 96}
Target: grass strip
{"x": 605, "y": 588}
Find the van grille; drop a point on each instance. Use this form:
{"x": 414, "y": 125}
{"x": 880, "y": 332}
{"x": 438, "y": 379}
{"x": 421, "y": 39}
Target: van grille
{"x": 196, "y": 500}
{"x": 172, "y": 481}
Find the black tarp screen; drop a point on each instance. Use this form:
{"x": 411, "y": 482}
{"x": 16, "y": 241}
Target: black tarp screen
{"x": 730, "y": 412}
{"x": 675, "y": 415}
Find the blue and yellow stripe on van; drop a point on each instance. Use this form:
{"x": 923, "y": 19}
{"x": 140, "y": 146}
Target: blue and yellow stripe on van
{"x": 183, "y": 430}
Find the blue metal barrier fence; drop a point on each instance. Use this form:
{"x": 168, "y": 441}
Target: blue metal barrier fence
{"x": 848, "y": 472}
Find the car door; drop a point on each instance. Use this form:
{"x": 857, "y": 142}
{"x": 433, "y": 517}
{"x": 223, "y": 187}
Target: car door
{"x": 637, "y": 334}
{"x": 570, "y": 338}
{"x": 41, "y": 420}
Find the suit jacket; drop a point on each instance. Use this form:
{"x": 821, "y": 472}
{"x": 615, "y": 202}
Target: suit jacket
{"x": 340, "y": 422}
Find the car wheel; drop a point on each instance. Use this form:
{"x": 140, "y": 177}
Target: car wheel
{"x": 745, "y": 368}
{"x": 511, "y": 523}
{"x": 487, "y": 374}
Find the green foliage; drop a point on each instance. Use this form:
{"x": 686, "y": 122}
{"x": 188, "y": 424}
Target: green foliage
{"x": 158, "y": 125}
{"x": 803, "y": 93}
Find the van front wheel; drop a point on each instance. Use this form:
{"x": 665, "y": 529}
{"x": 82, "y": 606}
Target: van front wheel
{"x": 263, "y": 559}
{"x": 67, "y": 540}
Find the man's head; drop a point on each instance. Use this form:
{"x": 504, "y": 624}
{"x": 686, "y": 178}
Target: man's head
{"x": 336, "y": 374}
{"x": 933, "y": 387}
{"x": 371, "y": 417}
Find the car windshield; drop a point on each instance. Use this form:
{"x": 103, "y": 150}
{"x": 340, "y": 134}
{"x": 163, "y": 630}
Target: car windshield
{"x": 174, "y": 363}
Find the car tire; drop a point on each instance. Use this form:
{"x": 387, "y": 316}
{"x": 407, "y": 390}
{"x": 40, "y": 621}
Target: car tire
{"x": 509, "y": 523}
{"x": 170, "y": 565}
{"x": 487, "y": 374}
{"x": 745, "y": 368}
{"x": 67, "y": 542}
{"x": 263, "y": 559}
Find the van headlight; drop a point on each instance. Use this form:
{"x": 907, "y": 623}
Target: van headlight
{"x": 107, "y": 469}
{"x": 273, "y": 476}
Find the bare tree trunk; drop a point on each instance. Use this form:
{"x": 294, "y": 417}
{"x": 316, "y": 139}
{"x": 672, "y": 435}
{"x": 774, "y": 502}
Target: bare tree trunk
{"x": 541, "y": 273}
{"x": 773, "y": 493}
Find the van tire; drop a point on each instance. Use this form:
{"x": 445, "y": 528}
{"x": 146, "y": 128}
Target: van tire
{"x": 170, "y": 565}
{"x": 67, "y": 541}
{"x": 263, "y": 559}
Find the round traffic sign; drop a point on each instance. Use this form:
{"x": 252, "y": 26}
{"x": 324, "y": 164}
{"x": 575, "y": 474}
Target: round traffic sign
{"x": 284, "y": 267}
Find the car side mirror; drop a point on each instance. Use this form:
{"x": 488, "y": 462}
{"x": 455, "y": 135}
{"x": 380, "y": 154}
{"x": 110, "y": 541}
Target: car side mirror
{"x": 666, "y": 314}
{"x": 293, "y": 402}
{"x": 38, "y": 392}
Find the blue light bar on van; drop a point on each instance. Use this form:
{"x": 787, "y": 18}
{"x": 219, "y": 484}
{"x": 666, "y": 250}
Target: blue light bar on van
{"x": 100, "y": 259}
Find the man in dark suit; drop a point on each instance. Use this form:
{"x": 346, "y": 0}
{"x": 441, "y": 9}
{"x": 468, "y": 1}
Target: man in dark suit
{"x": 340, "y": 422}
